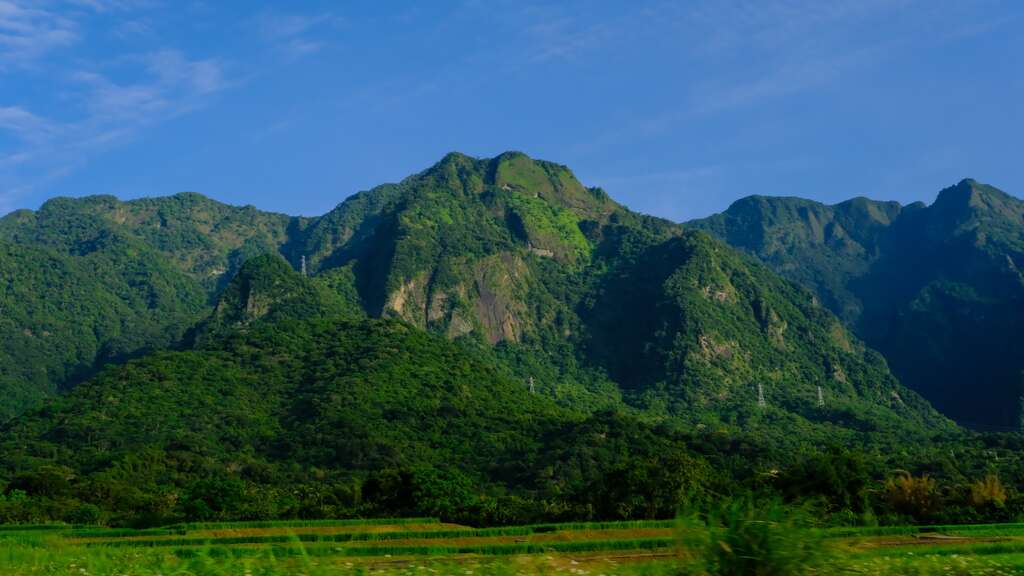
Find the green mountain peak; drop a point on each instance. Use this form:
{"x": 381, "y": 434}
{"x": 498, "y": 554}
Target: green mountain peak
{"x": 267, "y": 288}
{"x": 483, "y": 323}
{"x": 935, "y": 287}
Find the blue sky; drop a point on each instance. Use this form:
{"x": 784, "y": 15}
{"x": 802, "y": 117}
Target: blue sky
{"x": 676, "y": 108}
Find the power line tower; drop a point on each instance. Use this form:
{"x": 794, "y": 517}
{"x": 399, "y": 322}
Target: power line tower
{"x": 760, "y": 396}
{"x": 821, "y": 398}
{"x": 533, "y": 389}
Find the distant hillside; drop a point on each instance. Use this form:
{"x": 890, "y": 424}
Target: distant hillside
{"x": 289, "y": 404}
{"x": 201, "y": 237}
{"x": 63, "y": 315}
{"x": 84, "y": 282}
{"x": 937, "y": 289}
{"x": 592, "y": 302}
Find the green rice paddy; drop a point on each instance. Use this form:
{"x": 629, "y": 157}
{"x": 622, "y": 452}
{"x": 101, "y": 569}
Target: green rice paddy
{"x": 427, "y": 546}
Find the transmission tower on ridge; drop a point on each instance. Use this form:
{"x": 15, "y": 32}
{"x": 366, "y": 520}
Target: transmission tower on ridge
{"x": 760, "y": 396}
{"x": 821, "y": 398}
{"x": 533, "y": 389}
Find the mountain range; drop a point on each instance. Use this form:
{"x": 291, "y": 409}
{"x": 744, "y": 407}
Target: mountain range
{"x": 937, "y": 289}
{"x": 490, "y": 322}
{"x": 507, "y": 251}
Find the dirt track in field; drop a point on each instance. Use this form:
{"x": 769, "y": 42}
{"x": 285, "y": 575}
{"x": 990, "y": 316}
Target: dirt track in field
{"x": 926, "y": 540}
{"x": 523, "y": 561}
{"x": 283, "y": 531}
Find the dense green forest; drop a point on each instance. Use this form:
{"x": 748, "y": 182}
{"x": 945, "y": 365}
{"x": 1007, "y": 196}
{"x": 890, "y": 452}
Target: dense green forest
{"x": 937, "y": 289}
{"x": 487, "y": 341}
{"x": 85, "y": 282}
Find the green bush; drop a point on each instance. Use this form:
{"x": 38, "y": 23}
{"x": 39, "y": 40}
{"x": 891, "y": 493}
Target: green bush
{"x": 915, "y": 496}
{"x": 87, "y": 514}
{"x": 742, "y": 537}
{"x": 838, "y": 476}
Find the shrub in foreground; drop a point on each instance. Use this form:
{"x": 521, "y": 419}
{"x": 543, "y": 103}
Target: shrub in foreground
{"x": 915, "y": 496}
{"x": 744, "y": 537}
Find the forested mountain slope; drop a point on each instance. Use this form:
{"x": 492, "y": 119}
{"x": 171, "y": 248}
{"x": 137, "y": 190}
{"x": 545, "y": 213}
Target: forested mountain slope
{"x": 591, "y": 301}
{"x": 937, "y": 289}
{"x": 84, "y": 282}
{"x": 63, "y": 315}
{"x": 487, "y": 339}
{"x": 290, "y": 403}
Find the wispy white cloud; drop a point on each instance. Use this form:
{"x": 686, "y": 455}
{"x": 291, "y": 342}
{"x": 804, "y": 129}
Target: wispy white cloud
{"x": 167, "y": 84}
{"x": 31, "y": 30}
{"x": 108, "y": 6}
{"x": 739, "y": 25}
{"x": 783, "y": 47}
{"x": 14, "y": 159}
{"x": 107, "y": 101}
{"x": 295, "y": 35}
{"x": 262, "y": 133}
{"x": 277, "y": 25}
{"x": 25, "y": 125}
{"x": 174, "y": 85}
{"x": 172, "y": 69}
{"x": 743, "y": 54}
{"x": 28, "y": 32}
{"x": 788, "y": 47}
{"x": 777, "y": 80}
{"x": 132, "y": 29}
{"x": 972, "y": 29}
{"x": 554, "y": 35}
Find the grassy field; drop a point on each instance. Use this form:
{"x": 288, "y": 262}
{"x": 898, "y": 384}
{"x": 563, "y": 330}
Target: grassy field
{"x": 426, "y": 546}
